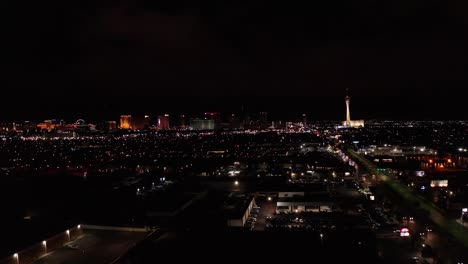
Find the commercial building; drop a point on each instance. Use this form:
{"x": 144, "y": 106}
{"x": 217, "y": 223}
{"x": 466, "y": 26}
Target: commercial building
{"x": 307, "y": 198}
{"x": 263, "y": 120}
{"x": 238, "y": 208}
{"x": 182, "y": 122}
{"x": 234, "y": 122}
{"x": 141, "y": 122}
{"x": 163, "y": 122}
{"x": 111, "y": 125}
{"x": 48, "y": 125}
{"x": 420, "y": 152}
{"x": 126, "y": 122}
{"x": 202, "y": 124}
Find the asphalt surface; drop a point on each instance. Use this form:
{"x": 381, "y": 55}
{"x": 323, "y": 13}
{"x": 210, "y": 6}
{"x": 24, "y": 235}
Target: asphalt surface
{"x": 94, "y": 247}
{"x": 267, "y": 208}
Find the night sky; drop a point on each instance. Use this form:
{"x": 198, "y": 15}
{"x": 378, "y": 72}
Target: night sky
{"x": 80, "y": 57}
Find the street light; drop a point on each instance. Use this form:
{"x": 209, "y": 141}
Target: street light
{"x": 68, "y": 234}
{"x": 44, "y": 243}
{"x": 269, "y": 198}
{"x": 464, "y": 211}
{"x": 236, "y": 183}
{"x": 79, "y": 226}
{"x": 16, "y": 257}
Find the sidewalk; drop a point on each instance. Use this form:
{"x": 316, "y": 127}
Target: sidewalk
{"x": 461, "y": 222}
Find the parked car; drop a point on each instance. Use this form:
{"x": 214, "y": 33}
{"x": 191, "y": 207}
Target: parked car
{"x": 73, "y": 246}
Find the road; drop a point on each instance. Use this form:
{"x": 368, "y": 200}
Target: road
{"x": 446, "y": 251}
{"x": 267, "y": 208}
{"x": 94, "y": 247}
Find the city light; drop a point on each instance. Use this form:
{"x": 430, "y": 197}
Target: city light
{"x": 211, "y": 160}
{"x": 404, "y": 232}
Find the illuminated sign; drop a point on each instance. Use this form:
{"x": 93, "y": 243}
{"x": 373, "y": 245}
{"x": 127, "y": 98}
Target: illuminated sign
{"x": 420, "y": 173}
{"x": 439, "y": 183}
{"x": 404, "y": 232}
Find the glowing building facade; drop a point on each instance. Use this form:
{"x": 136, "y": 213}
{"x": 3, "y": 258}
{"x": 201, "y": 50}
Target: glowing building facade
{"x": 163, "y": 122}
{"x": 202, "y": 124}
{"x": 126, "y": 122}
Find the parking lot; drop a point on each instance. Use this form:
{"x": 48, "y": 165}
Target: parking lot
{"x": 95, "y": 246}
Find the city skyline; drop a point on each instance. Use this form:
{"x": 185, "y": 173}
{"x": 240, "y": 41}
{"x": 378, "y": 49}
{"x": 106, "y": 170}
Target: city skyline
{"x": 279, "y": 108}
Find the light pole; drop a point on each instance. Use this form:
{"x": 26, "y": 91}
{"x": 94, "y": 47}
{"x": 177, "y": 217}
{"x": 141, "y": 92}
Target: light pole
{"x": 464, "y": 211}
{"x": 44, "y": 244}
{"x": 68, "y": 235}
{"x": 16, "y": 257}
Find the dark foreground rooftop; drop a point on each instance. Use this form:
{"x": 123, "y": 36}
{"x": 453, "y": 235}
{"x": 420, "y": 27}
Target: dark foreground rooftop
{"x": 251, "y": 247}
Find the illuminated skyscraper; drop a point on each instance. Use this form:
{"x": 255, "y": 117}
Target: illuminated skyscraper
{"x": 126, "y": 122}
{"x": 182, "y": 122}
{"x": 140, "y": 122}
{"x": 163, "y": 122}
{"x": 263, "y": 120}
{"x": 234, "y": 122}
{"x": 215, "y": 116}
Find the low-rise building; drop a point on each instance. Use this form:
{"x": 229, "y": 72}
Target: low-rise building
{"x": 237, "y": 209}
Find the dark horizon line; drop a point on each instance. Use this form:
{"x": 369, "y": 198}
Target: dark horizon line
{"x": 423, "y": 107}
